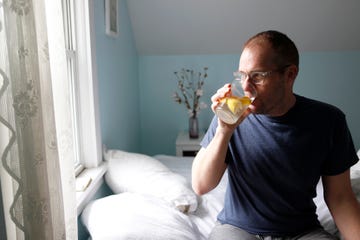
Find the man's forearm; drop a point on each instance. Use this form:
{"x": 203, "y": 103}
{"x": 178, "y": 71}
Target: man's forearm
{"x": 209, "y": 164}
{"x": 347, "y": 219}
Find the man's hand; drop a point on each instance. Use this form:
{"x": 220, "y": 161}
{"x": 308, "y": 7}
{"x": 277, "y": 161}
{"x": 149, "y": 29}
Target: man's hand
{"x": 221, "y": 93}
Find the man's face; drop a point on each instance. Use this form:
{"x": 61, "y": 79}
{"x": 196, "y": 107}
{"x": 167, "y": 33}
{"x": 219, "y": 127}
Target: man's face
{"x": 274, "y": 90}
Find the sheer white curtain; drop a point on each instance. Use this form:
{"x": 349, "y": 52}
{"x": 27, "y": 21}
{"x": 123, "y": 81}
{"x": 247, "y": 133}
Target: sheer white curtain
{"x": 37, "y": 172}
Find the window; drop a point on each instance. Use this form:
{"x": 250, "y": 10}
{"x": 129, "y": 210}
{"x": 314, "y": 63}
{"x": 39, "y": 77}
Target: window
{"x": 72, "y": 73}
{"x": 81, "y": 66}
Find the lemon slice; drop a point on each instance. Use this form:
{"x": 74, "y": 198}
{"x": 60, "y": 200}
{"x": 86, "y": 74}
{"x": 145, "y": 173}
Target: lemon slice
{"x": 245, "y": 101}
{"x": 234, "y": 104}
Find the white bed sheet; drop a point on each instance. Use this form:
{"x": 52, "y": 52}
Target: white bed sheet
{"x": 210, "y": 204}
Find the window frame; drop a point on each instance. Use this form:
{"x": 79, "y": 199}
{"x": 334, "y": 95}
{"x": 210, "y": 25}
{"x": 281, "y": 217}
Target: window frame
{"x": 85, "y": 97}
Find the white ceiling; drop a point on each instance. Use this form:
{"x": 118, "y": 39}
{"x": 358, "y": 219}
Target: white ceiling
{"x": 175, "y": 27}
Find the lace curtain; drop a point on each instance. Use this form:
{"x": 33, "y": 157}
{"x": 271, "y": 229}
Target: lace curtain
{"x": 37, "y": 171}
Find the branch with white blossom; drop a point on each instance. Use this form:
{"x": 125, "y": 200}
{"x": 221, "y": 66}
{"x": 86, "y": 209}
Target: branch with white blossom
{"x": 190, "y": 84}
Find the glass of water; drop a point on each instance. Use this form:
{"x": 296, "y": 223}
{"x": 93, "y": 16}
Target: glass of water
{"x": 232, "y": 107}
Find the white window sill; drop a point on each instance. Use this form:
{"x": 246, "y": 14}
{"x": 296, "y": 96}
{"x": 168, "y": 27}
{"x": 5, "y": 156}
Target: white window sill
{"x": 96, "y": 180}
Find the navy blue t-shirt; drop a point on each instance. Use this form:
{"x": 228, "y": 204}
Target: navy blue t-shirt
{"x": 274, "y": 164}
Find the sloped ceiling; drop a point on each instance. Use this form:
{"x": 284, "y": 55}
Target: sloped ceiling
{"x": 175, "y": 27}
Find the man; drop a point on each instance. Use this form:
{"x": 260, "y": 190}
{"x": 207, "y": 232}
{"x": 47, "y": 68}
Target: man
{"x": 276, "y": 153}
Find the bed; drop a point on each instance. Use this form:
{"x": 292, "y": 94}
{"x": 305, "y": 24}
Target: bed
{"x": 153, "y": 199}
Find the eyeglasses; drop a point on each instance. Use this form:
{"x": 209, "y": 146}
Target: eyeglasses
{"x": 256, "y": 77}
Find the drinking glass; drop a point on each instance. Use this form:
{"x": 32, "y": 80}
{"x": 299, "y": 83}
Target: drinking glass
{"x": 232, "y": 107}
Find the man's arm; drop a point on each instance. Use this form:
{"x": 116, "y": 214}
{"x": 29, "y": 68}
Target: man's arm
{"x": 342, "y": 204}
{"x": 209, "y": 164}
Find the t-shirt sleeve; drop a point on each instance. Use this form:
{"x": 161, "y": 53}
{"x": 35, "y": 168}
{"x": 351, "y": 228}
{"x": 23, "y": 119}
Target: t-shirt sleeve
{"x": 342, "y": 154}
{"x": 210, "y": 133}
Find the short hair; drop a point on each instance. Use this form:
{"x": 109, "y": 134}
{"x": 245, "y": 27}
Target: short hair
{"x": 283, "y": 46}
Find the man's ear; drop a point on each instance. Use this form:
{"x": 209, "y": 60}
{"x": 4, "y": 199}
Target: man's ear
{"x": 291, "y": 73}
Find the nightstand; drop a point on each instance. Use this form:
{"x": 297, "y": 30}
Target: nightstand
{"x": 186, "y": 146}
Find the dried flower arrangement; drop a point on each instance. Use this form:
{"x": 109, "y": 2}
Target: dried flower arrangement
{"x": 190, "y": 84}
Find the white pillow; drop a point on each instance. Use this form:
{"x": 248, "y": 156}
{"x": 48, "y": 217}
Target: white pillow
{"x": 139, "y": 173}
{"x": 323, "y": 212}
{"x": 136, "y": 216}
{"x": 354, "y": 173}
{"x": 355, "y": 170}
{"x": 355, "y": 183}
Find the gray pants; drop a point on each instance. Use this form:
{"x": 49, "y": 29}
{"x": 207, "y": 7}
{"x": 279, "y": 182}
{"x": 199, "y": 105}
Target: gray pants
{"x": 229, "y": 232}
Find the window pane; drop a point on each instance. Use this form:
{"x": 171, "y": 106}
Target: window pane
{"x": 70, "y": 42}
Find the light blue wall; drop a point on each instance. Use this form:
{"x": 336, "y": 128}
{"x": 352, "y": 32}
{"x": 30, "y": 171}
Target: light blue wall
{"x": 117, "y": 65}
{"x": 136, "y": 106}
{"x": 332, "y": 77}
{"x": 161, "y": 117}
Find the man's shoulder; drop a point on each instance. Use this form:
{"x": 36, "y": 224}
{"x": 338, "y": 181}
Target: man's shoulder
{"x": 318, "y": 107}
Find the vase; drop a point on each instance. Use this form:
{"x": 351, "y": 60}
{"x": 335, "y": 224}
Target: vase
{"x": 193, "y": 127}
